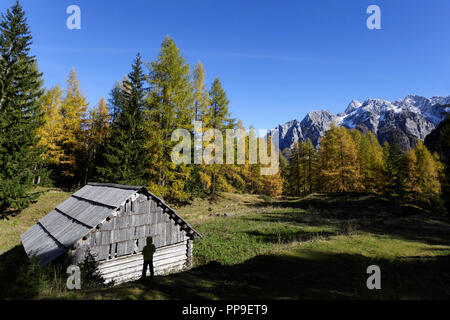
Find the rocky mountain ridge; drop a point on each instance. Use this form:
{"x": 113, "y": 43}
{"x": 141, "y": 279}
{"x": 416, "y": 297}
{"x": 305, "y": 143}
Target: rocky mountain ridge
{"x": 407, "y": 120}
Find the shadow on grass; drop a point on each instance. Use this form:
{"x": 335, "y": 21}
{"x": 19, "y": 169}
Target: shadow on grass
{"x": 289, "y": 236}
{"x": 304, "y": 274}
{"x": 318, "y": 276}
{"x": 361, "y": 212}
{"x": 16, "y": 281}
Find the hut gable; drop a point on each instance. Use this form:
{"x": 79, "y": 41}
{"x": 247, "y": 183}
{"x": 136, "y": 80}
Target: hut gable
{"x": 111, "y": 222}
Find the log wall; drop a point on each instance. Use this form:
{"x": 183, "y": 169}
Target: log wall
{"x": 118, "y": 241}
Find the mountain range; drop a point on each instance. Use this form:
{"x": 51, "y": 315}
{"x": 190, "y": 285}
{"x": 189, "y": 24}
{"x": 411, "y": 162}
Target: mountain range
{"x": 407, "y": 120}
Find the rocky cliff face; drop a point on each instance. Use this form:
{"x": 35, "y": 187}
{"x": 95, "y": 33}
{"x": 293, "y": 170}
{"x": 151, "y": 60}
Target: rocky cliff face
{"x": 407, "y": 120}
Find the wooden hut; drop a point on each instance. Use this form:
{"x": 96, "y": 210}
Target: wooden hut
{"x": 111, "y": 222}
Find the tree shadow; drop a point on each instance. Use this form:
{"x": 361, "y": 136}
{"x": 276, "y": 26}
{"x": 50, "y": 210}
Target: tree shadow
{"x": 361, "y": 212}
{"x": 318, "y": 276}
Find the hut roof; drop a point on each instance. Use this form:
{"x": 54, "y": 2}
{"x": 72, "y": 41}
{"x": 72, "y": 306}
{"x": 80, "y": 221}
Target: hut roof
{"x": 74, "y": 218}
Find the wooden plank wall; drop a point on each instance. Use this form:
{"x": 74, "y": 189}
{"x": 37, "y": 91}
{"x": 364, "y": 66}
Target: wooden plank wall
{"x": 166, "y": 260}
{"x": 126, "y": 232}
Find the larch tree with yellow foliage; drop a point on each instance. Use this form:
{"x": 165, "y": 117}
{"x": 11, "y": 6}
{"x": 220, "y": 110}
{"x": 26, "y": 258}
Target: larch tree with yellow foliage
{"x": 338, "y": 156}
{"x": 424, "y": 172}
{"x": 73, "y": 111}
{"x": 51, "y": 133}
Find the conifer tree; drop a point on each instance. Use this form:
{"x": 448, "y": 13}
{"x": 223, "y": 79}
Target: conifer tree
{"x": 272, "y": 185}
{"x": 20, "y": 111}
{"x": 98, "y": 132}
{"x": 438, "y": 141}
{"x": 217, "y": 117}
{"x": 395, "y": 171}
{"x": 201, "y": 94}
{"x": 371, "y": 162}
{"x": 170, "y": 103}
{"x": 73, "y": 111}
{"x": 339, "y": 161}
{"x": 423, "y": 175}
{"x": 284, "y": 173}
{"x": 295, "y": 174}
{"x": 51, "y": 133}
{"x": 308, "y": 162}
{"x": 124, "y": 156}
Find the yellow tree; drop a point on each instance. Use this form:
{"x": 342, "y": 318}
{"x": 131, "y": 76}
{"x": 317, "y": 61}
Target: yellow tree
{"x": 338, "y": 157}
{"x": 51, "y": 133}
{"x": 371, "y": 162}
{"x": 73, "y": 111}
{"x": 424, "y": 171}
{"x": 272, "y": 184}
{"x": 201, "y": 95}
{"x": 98, "y": 129}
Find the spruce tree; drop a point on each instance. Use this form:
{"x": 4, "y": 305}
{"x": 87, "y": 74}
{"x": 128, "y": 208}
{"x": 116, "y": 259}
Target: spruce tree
{"x": 98, "y": 132}
{"x": 20, "y": 112}
{"x": 295, "y": 175}
{"x": 395, "y": 171}
{"x": 308, "y": 156}
{"x": 124, "y": 156}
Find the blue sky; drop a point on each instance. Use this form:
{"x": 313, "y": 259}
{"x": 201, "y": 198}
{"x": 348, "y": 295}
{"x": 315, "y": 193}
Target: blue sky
{"x": 277, "y": 60}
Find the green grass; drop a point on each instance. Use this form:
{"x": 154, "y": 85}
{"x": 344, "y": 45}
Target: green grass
{"x": 13, "y": 227}
{"x": 318, "y": 247}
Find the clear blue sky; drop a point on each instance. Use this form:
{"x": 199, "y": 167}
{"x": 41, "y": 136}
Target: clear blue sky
{"x": 277, "y": 60}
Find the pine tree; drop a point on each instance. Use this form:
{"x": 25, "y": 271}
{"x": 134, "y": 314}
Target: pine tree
{"x": 124, "y": 157}
{"x": 170, "y": 103}
{"x": 20, "y": 111}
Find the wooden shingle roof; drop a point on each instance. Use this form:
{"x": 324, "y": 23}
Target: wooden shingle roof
{"x": 74, "y": 218}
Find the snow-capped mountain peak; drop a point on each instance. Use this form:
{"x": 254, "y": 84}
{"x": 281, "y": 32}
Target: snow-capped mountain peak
{"x": 409, "y": 119}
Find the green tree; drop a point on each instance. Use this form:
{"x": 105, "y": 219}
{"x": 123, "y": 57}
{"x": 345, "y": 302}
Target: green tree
{"x": 124, "y": 156}
{"x": 98, "y": 132}
{"x": 20, "y": 110}
{"x": 308, "y": 163}
{"x": 395, "y": 171}
{"x": 295, "y": 175}
{"x": 217, "y": 117}
{"x": 170, "y": 103}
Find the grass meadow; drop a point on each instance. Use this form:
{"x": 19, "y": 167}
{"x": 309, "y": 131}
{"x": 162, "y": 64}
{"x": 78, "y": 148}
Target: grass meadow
{"x": 317, "y": 247}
